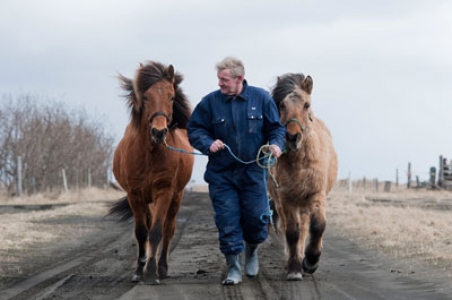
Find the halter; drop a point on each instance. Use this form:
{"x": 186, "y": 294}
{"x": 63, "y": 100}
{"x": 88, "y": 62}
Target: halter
{"x": 159, "y": 113}
{"x": 303, "y": 129}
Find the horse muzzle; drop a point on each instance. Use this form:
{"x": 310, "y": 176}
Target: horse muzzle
{"x": 158, "y": 136}
{"x": 158, "y": 127}
{"x": 293, "y": 141}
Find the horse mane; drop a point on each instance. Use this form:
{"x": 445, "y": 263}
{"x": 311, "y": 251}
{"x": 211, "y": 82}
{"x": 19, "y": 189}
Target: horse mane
{"x": 146, "y": 76}
{"x": 285, "y": 85}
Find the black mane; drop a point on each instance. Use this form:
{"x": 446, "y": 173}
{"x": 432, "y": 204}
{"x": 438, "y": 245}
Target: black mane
{"x": 148, "y": 75}
{"x": 285, "y": 85}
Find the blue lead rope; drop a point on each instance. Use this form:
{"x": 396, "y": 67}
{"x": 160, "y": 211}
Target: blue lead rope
{"x": 265, "y": 162}
{"x": 182, "y": 150}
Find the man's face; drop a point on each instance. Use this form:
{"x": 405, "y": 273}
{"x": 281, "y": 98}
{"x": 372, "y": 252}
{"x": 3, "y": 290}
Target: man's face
{"x": 228, "y": 84}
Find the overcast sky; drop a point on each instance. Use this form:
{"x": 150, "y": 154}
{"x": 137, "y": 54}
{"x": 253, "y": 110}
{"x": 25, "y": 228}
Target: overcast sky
{"x": 382, "y": 70}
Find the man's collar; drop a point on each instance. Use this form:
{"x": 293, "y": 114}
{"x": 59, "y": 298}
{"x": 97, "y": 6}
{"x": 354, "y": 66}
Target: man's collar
{"x": 242, "y": 95}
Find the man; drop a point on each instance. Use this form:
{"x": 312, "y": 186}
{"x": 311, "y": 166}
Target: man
{"x": 244, "y": 118}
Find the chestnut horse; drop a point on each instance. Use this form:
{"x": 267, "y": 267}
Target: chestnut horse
{"x": 153, "y": 176}
{"x": 305, "y": 174}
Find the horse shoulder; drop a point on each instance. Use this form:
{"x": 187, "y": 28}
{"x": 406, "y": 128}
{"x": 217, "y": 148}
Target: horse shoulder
{"x": 326, "y": 155}
{"x": 130, "y": 159}
{"x": 182, "y": 138}
{"x": 185, "y": 161}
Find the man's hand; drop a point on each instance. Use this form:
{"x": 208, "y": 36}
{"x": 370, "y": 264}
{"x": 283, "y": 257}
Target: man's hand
{"x": 275, "y": 150}
{"x": 217, "y": 145}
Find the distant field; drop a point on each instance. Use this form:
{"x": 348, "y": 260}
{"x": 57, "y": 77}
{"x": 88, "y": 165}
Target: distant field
{"x": 413, "y": 224}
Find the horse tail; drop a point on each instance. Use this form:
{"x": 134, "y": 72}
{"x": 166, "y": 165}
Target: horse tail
{"x": 121, "y": 209}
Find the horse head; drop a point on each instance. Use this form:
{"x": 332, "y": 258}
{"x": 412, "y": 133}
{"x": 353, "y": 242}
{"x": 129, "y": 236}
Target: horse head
{"x": 151, "y": 98}
{"x": 158, "y": 106}
{"x": 292, "y": 95}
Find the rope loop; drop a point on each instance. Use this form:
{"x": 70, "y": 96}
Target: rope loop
{"x": 264, "y": 158}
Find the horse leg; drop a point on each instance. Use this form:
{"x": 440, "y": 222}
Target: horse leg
{"x": 168, "y": 233}
{"x": 294, "y": 232}
{"x": 154, "y": 236}
{"x": 158, "y": 211}
{"x": 316, "y": 230}
{"x": 141, "y": 234}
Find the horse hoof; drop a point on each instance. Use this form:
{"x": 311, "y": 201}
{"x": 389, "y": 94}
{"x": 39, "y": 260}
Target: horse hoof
{"x": 153, "y": 282}
{"x": 163, "y": 274}
{"x": 294, "y": 277}
{"x": 309, "y": 269}
{"x": 135, "y": 278}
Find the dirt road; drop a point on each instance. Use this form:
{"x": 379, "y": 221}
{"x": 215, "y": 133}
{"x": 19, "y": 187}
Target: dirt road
{"x": 101, "y": 266}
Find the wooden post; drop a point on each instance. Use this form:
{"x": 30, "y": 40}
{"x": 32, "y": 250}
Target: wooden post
{"x": 432, "y": 177}
{"x": 77, "y": 183}
{"x": 63, "y": 174}
{"x": 19, "y": 176}
{"x": 387, "y": 186}
{"x": 89, "y": 178}
{"x": 409, "y": 176}
{"x": 397, "y": 178}
{"x": 33, "y": 183}
{"x": 440, "y": 172}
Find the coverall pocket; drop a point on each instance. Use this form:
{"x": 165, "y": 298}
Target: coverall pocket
{"x": 219, "y": 127}
{"x": 254, "y": 122}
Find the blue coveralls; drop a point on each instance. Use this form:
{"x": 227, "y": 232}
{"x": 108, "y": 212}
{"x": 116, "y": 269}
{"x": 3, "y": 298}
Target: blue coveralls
{"x": 238, "y": 191}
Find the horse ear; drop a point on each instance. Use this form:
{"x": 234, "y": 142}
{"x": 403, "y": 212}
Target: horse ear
{"x": 307, "y": 84}
{"x": 170, "y": 72}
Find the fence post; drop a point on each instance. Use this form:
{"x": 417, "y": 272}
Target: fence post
{"x": 63, "y": 174}
{"x": 387, "y": 186}
{"x": 397, "y": 178}
{"x": 19, "y": 176}
{"x": 432, "y": 177}
{"x": 409, "y": 176}
{"x": 89, "y": 178}
{"x": 440, "y": 172}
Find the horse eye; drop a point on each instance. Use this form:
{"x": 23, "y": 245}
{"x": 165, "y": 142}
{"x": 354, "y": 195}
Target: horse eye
{"x": 307, "y": 105}
{"x": 282, "y": 106}
{"x": 145, "y": 97}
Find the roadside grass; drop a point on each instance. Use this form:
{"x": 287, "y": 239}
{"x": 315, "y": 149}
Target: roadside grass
{"x": 33, "y": 230}
{"x": 397, "y": 226}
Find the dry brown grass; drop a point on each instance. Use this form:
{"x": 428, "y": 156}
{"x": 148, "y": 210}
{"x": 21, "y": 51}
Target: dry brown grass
{"x": 23, "y": 230}
{"x": 78, "y": 196}
{"x": 397, "y": 225}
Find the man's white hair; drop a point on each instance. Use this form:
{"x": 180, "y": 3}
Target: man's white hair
{"x": 232, "y": 63}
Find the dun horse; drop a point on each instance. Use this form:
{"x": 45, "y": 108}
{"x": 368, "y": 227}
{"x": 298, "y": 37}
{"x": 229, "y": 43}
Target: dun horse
{"x": 305, "y": 174}
{"x": 153, "y": 176}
